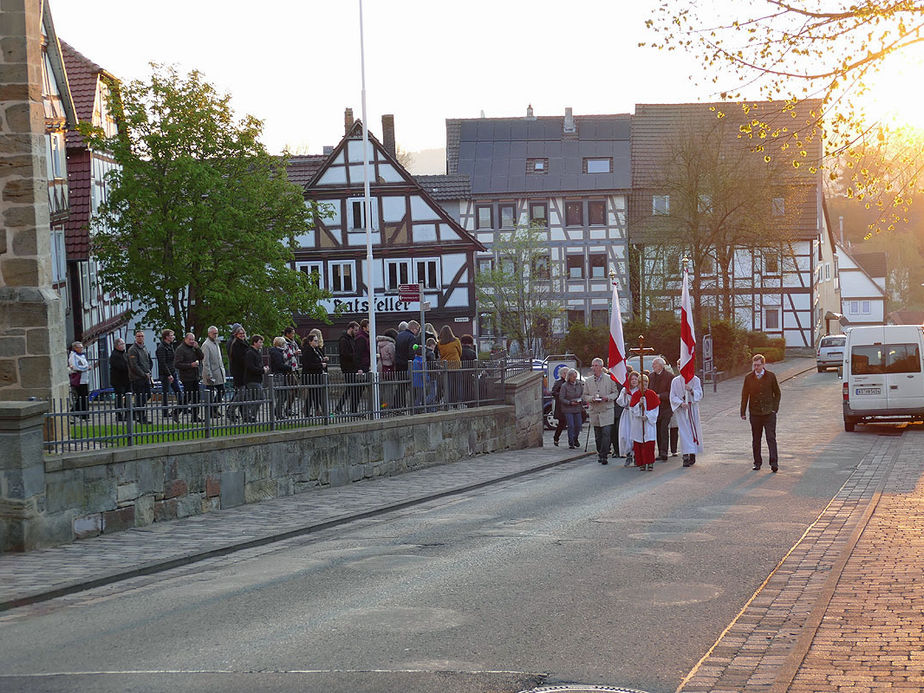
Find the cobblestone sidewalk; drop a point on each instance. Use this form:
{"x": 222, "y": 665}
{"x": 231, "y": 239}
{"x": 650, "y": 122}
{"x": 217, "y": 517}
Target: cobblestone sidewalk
{"x": 841, "y": 612}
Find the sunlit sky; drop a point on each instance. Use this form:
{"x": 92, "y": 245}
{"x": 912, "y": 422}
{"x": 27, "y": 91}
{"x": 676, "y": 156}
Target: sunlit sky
{"x": 295, "y": 63}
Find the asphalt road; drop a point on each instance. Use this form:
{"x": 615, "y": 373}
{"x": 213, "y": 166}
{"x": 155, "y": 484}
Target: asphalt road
{"x": 578, "y": 574}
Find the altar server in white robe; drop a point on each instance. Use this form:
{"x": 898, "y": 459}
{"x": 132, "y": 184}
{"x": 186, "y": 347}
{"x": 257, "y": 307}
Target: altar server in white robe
{"x": 685, "y": 397}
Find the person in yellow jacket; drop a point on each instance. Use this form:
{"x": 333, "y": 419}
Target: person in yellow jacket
{"x": 450, "y": 351}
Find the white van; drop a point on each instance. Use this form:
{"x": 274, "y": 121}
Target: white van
{"x": 883, "y": 374}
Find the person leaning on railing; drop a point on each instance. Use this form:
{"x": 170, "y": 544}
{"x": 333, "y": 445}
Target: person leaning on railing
{"x": 279, "y": 368}
{"x": 140, "y": 367}
{"x": 79, "y": 369}
{"x": 119, "y": 377}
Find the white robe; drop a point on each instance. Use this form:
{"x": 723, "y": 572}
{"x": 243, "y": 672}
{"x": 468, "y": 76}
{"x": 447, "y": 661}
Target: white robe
{"x": 690, "y": 431}
{"x": 625, "y": 422}
{"x": 642, "y": 423}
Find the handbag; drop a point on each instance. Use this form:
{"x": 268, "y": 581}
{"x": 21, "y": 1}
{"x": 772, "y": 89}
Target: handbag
{"x": 75, "y": 378}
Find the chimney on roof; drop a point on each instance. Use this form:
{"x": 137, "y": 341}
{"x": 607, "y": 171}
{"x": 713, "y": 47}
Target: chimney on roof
{"x": 347, "y": 121}
{"x": 529, "y": 112}
{"x": 388, "y": 133}
{"x": 569, "y": 121}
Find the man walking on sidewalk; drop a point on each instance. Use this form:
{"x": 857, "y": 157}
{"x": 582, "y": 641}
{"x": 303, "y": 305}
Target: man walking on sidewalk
{"x": 760, "y": 395}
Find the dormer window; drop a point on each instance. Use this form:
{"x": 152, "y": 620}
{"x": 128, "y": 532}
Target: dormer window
{"x": 598, "y": 165}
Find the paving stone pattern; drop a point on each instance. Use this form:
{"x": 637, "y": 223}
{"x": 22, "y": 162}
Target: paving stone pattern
{"x": 872, "y": 635}
{"x": 753, "y": 653}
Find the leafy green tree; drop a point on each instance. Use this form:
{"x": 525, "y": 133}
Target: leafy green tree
{"x": 200, "y": 223}
{"x": 517, "y": 292}
{"x": 799, "y": 49}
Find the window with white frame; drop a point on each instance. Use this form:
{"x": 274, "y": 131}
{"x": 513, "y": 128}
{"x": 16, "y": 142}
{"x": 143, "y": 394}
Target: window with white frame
{"x": 428, "y": 272}
{"x": 575, "y": 266}
{"x": 598, "y": 265}
{"x": 864, "y": 308}
{"x": 772, "y": 319}
{"x": 314, "y": 270}
{"x": 778, "y": 207}
{"x": 854, "y": 307}
{"x": 660, "y": 205}
{"x": 827, "y": 270}
{"x": 397, "y": 272}
{"x": 342, "y": 276}
{"x": 356, "y": 220}
{"x": 704, "y": 203}
{"x": 485, "y": 264}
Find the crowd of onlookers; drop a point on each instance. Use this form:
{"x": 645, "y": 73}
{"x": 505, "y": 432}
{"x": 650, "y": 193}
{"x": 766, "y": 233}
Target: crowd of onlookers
{"x": 406, "y": 359}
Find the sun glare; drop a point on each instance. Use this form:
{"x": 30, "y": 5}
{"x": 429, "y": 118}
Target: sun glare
{"x": 894, "y": 95}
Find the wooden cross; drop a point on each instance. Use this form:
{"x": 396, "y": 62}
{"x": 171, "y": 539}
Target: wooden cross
{"x": 641, "y": 350}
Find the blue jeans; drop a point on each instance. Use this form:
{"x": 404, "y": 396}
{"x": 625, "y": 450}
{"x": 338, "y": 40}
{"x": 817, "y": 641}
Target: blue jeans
{"x": 574, "y": 427}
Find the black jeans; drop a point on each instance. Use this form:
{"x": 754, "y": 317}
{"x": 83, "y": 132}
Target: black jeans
{"x": 191, "y": 396}
{"x": 602, "y": 438}
{"x": 766, "y": 424}
{"x": 121, "y": 400}
{"x": 142, "y": 390}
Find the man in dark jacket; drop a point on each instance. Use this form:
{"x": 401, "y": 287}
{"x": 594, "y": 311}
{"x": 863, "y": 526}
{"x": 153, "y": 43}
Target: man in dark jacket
{"x": 166, "y": 368}
{"x": 345, "y": 348}
{"x": 140, "y": 367}
{"x": 237, "y": 350}
{"x": 760, "y": 396}
{"x": 254, "y": 370}
{"x": 119, "y": 377}
{"x": 660, "y": 381}
{"x": 188, "y": 359}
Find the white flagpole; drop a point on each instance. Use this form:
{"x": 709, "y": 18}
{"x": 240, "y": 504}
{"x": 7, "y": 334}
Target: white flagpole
{"x": 367, "y": 205}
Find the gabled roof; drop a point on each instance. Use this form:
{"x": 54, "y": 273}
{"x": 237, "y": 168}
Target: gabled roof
{"x": 874, "y": 264}
{"x": 395, "y": 175}
{"x": 446, "y": 186}
{"x": 849, "y": 264}
{"x": 83, "y": 76}
{"x": 657, "y": 127}
{"x": 906, "y": 317}
{"x": 301, "y": 169}
{"x": 493, "y": 152}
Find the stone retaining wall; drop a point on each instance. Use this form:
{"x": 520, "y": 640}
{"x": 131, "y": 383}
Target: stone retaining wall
{"x": 85, "y": 494}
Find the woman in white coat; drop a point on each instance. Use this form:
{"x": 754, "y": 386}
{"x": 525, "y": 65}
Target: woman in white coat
{"x": 685, "y": 397}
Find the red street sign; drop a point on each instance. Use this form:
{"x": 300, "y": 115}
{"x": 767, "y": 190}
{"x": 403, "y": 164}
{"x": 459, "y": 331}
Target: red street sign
{"x": 409, "y": 292}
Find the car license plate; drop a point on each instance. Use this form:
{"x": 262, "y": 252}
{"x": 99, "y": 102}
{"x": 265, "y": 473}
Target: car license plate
{"x": 869, "y": 391}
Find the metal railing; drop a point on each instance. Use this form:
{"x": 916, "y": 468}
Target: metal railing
{"x": 279, "y": 402}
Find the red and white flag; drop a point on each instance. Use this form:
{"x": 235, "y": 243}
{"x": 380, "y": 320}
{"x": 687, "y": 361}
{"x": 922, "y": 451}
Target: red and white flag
{"x": 617, "y": 354}
{"x": 687, "y": 336}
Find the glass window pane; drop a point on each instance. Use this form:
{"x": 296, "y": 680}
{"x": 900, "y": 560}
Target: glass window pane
{"x": 903, "y": 358}
{"x": 866, "y": 360}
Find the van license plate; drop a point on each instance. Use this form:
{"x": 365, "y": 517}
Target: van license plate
{"x": 869, "y": 391}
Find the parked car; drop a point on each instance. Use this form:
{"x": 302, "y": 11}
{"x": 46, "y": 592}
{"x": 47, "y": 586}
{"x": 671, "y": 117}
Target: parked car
{"x": 634, "y": 362}
{"x": 883, "y": 375}
{"x": 830, "y": 352}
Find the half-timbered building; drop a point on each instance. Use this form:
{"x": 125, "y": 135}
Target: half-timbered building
{"x": 59, "y": 118}
{"x": 764, "y": 282}
{"x": 414, "y": 240}
{"x": 569, "y": 177}
{"x": 863, "y": 287}
{"x": 96, "y": 317}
